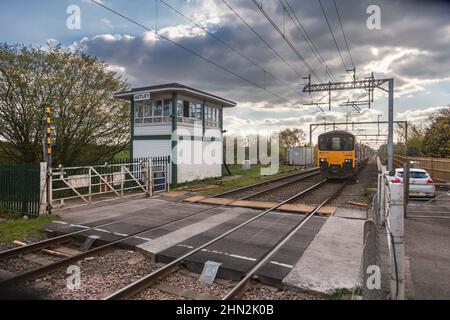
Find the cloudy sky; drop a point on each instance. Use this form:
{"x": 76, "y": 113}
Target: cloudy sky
{"x": 412, "y": 46}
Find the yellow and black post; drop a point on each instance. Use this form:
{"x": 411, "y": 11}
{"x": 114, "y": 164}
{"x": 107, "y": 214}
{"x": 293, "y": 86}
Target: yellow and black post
{"x": 48, "y": 154}
{"x": 48, "y": 128}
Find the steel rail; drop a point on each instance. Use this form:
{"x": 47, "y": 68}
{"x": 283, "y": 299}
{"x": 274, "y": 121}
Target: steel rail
{"x": 239, "y": 290}
{"x": 264, "y": 182}
{"x": 279, "y": 186}
{"x": 54, "y": 266}
{"x": 58, "y": 239}
{"x": 146, "y": 281}
{"x": 66, "y": 237}
{"x": 51, "y": 267}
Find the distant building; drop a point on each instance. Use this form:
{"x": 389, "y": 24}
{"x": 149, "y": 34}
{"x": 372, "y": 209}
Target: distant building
{"x": 300, "y": 156}
{"x": 153, "y": 122}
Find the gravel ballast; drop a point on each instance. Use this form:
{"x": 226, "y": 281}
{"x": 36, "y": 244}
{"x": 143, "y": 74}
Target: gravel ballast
{"x": 99, "y": 275}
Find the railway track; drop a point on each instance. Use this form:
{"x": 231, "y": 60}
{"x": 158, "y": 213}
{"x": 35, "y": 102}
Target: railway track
{"x": 267, "y": 186}
{"x": 284, "y": 180}
{"x": 49, "y": 243}
{"x": 240, "y": 288}
{"x": 67, "y": 237}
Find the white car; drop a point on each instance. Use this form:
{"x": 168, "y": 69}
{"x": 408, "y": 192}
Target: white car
{"x": 420, "y": 182}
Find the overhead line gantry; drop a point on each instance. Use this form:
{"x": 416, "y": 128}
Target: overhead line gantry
{"x": 369, "y": 83}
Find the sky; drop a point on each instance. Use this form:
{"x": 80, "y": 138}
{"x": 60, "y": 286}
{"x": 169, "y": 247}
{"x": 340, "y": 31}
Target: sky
{"x": 412, "y": 46}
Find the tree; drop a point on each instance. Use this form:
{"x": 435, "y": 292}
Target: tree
{"x": 290, "y": 138}
{"x": 437, "y": 136}
{"x": 414, "y": 144}
{"x": 89, "y": 124}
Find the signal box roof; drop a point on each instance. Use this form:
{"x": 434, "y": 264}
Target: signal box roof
{"x": 177, "y": 87}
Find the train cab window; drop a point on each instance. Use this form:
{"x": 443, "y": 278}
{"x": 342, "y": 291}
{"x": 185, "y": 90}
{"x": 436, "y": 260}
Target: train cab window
{"x": 347, "y": 143}
{"x": 335, "y": 143}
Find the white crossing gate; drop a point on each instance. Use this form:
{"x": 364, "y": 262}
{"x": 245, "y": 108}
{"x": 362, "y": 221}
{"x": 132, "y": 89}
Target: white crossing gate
{"x": 81, "y": 185}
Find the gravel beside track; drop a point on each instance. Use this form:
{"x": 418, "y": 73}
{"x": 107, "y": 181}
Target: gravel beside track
{"x": 313, "y": 197}
{"x": 219, "y": 289}
{"x": 262, "y": 292}
{"x": 99, "y": 275}
{"x": 358, "y": 188}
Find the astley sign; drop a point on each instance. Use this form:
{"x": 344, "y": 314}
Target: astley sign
{"x": 142, "y": 96}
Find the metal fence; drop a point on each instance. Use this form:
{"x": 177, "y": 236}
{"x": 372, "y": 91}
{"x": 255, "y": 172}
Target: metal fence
{"x": 20, "y": 188}
{"x": 80, "y": 185}
{"x": 390, "y": 211}
{"x": 382, "y": 262}
{"x": 371, "y": 258}
{"x": 33, "y": 190}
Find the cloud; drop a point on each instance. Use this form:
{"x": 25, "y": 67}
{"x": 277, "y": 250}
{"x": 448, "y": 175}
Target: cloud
{"x": 419, "y": 114}
{"x": 413, "y": 46}
{"x": 116, "y": 68}
{"x": 106, "y": 23}
{"x": 90, "y": 2}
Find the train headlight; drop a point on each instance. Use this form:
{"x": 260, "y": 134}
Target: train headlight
{"x": 348, "y": 163}
{"x": 323, "y": 159}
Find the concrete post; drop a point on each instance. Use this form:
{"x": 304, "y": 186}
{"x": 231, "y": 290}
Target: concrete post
{"x": 168, "y": 177}
{"x": 149, "y": 179}
{"x": 90, "y": 185}
{"x": 122, "y": 178}
{"x": 390, "y": 142}
{"x": 43, "y": 188}
{"x": 405, "y": 187}
{"x": 396, "y": 234}
{"x": 379, "y": 199}
{"x": 381, "y": 192}
{"x": 382, "y": 199}
{"x": 310, "y": 135}
{"x": 148, "y": 186}
{"x": 49, "y": 189}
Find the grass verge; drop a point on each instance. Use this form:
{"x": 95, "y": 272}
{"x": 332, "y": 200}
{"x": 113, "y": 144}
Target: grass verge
{"x": 16, "y": 228}
{"x": 241, "y": 177}
{"x": 341, "y": 294}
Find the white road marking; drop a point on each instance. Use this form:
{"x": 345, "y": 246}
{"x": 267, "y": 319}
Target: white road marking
{"x": 282, "y": 264}
{"x": 173, "y": 238}
{"x": 102, "y": 230}
{"x": 120, "y": 234}
{"x": 241, "y": 257}
{"x": 79, "y": 226}
{"x": 186, "y": 246}
{"x": 143, "y": 238}
{"x": 60, "y": 222}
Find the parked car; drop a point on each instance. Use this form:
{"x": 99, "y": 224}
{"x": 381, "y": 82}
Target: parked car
{"x": 420, "y": 182}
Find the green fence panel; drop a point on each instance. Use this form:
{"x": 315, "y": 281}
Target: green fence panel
{"x": 19, "y": 188}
